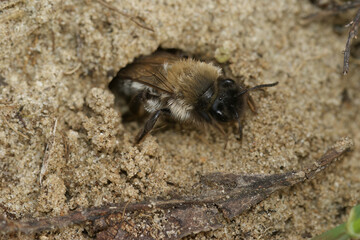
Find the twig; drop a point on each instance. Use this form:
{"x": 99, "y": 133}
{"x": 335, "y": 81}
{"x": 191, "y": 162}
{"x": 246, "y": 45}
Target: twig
{"x": 71, "y": 71}
{"x": 131, "y": 18}
{"x": 18, "y": 116}
{"x": 354, "y": 26}
{"x": 48, "y": 147}
{"x": 10, "y": 126}
{"x": 222, "y": 197}
{"x": 333, "y": 10}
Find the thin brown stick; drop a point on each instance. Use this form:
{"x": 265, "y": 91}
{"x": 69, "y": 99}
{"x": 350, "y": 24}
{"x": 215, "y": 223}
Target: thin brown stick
{"x": 131, "y": 18}
{"x": 354, "y": 26}
{"x": 48, "y": 147}
{"x": 12, "y": 128}
{"x": 333, "y": 10}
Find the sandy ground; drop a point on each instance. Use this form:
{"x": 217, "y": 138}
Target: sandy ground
{"x": 56, "y": 62}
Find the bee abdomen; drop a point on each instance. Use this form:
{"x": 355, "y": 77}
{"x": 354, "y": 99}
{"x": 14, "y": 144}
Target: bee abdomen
{"x": 129, "y": 87}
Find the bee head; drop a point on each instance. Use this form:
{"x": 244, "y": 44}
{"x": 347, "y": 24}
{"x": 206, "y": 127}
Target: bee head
{"x": 227, "y": 103}
{"x": 230, "y": 100}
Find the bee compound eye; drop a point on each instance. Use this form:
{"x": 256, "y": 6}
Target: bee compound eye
{"x": 227, "y": 83}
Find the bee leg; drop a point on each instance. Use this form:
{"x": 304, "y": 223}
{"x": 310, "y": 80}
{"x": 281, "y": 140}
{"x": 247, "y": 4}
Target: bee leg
{"x": 135, "y": 109}
{"x": 150, "y": 123}
{"x": 251, "y": 103}
{"x": 240, "y": 130}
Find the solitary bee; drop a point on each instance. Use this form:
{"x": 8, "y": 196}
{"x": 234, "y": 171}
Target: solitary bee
{"x": 184, "y": 89}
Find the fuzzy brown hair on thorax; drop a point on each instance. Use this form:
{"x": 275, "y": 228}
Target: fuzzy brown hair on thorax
{"x": 192, "y": 78}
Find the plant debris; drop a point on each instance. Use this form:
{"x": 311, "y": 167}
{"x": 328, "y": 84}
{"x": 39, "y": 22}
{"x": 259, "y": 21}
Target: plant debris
{"x": 222, "y": 197}
{"x": 332, "y": 9}
{"x": 137, "y": 20}
{"x": 354, "y": 26}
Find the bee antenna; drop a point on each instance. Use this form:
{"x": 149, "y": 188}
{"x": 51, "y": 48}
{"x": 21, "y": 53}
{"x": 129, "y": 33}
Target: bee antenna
{"x": 257, "y": 87}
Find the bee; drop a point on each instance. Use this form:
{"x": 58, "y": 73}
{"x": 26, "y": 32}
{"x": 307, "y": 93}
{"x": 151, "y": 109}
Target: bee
{"x": 187, "y": 90}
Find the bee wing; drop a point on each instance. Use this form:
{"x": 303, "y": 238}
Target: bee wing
{"x": 150, "y": 71}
